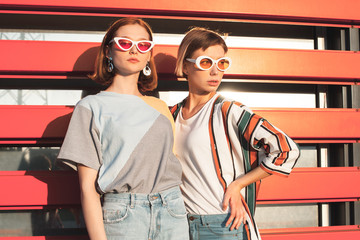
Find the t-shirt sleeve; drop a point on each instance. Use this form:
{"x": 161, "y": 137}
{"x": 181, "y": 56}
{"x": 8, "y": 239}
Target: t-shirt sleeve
{"x": 81, "y": 144}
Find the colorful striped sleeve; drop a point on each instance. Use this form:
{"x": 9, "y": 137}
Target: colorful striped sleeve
{"x": 280, "y": 152}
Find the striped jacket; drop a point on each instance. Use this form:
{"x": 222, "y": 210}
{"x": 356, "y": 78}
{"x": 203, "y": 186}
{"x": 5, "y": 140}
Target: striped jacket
{"x": 252, "y": 141}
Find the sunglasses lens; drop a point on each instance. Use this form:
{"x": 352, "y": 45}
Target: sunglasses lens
{"x": 144, "y": 46}
{"x": 206, "y": 63}
{"x": 125, "y": 44}
{"x": 223, "y": 64}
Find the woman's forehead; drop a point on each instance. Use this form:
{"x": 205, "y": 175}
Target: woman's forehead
{"x": 133, "y": 32}
{"x": 216, "y": 51}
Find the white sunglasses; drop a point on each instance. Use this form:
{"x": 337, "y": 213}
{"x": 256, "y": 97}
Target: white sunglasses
{"x": 205, "y": 63}
{"x": 126, "y": 44}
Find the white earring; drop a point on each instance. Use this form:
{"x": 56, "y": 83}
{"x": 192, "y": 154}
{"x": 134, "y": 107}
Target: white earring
{"x": 110, "y": 65}
{"x": 147, "y": 70}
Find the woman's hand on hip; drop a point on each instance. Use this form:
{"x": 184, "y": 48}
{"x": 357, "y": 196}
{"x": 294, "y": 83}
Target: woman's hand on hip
{"x": 233, "y": 199}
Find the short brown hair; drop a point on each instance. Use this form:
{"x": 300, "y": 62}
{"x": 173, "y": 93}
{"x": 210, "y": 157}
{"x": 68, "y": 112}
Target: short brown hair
{"x": 102, "y": 76}
{"x": 196, "y": 38}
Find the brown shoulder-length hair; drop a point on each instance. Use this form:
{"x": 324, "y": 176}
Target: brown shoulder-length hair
{"x": 196, "y": 38}
{"x": 101, "y": 74}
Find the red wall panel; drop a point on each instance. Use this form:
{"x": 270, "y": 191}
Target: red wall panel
{"x": 319, "y": 233}
{"x": 312, "y": 184}
{"x": 312, "y": 233}
{"x": 33, "y": 123}
{"x": 77, "y": 59}
{"x": 39, "y": 188}
{"x": 335, "y": 11}
{"x": 43, "y": 188}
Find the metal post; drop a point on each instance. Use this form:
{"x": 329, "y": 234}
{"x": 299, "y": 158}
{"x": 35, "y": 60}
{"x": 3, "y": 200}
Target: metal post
{"x": 355, "y": 103}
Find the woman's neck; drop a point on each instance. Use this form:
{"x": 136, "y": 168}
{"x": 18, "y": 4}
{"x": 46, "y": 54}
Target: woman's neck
{"x": 125, "y": 85}
{"x": 194, "y": 103}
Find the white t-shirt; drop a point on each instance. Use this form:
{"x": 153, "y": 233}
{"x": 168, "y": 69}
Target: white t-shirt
{"x": 202, "y": 190}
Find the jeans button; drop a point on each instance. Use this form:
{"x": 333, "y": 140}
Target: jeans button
{"x": 191, "y": 218}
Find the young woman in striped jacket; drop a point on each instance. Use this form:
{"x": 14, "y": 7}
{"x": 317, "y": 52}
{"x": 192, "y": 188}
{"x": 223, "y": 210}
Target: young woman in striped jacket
{"x": 224, "y": 148}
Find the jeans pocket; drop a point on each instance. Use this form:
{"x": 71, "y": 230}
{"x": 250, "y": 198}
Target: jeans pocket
{"x": 115, "y": 215}
{"x": 223, "y": 232}
{"x": 176, "y": 207}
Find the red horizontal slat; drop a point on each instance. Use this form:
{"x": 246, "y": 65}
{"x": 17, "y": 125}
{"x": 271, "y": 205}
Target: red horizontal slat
{"x": 34, "y": 122}
{"x": 294, "y": 64}
{"x": 66, "y": 57}
{"x": 312, "y": 184}
{"x": 77, "y": 59}
{"x": 303, "y": 185}
{"x": 323, "y": 11}
{"x": 326, "y": 233}
{"x": 315, "y": 123}
{"x": 39, "y": 188}
{"x": 310, "y": 233}
{"x": 75, "y": 237}
{"x": 48, "y": 124}
{"x": 198, "y": 17}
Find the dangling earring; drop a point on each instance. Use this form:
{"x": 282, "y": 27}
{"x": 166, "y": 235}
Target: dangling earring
{"x": 147, "y": 70}
{"x": 110, "y": 65}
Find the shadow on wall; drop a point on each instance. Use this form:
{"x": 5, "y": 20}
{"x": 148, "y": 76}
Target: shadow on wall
{"x": 84, "y": 65}
{"x": 62, "y": 211}
{"x": 165, "y": 64}
{"x": 165, "y": 67}
{"x": 61, "y": 214}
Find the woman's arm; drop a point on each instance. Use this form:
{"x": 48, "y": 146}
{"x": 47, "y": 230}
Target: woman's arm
{"x": 233, "y": 198}
{"x": 90, "y": 201}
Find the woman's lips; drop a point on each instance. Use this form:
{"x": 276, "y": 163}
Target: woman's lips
{"x": 133, "y": 60}
{"x": 213, "y": 82}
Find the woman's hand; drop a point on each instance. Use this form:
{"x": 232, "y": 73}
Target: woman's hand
{"x": 233, "y": 199}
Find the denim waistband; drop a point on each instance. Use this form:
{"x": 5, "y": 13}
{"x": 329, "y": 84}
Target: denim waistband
{"x": 141, "y": 198}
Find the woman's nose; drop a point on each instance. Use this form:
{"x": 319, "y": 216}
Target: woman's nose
{"x": 133, "y": 50}
{"x": 214, "y": 70}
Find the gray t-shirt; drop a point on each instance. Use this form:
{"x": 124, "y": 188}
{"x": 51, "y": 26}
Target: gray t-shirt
{"x": 126, "y": 139}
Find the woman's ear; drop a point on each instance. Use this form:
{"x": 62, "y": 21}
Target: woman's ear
{"x": 150, "y": 56}
{"x": 108, "y": 52}
{"x": 185, "y": 68}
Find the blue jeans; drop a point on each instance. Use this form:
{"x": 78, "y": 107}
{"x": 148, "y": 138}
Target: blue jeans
{"x": 159, "y": 216}
{"x": 209, "y": 227}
